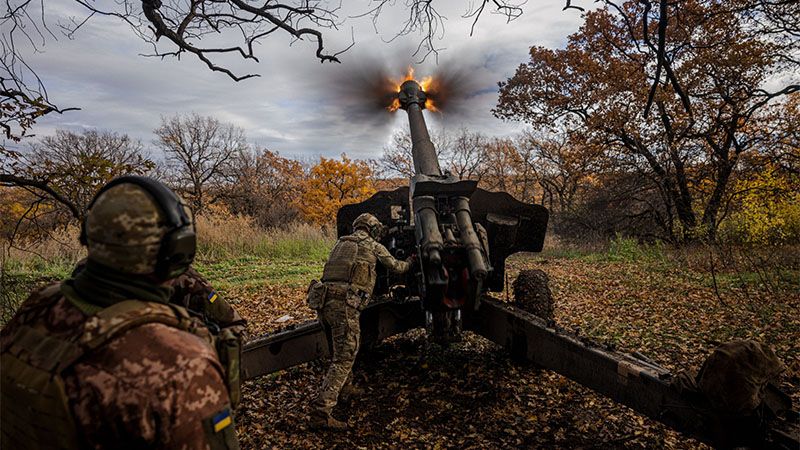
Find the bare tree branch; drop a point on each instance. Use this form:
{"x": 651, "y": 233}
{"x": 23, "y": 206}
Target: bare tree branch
{"x": 13, "y": 180}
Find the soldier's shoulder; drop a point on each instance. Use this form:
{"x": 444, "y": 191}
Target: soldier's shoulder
{"x": 373, "y": 244}
{"x": 362, "y": 237}
{"x": 150, "y": 357}
{"x": 45, "y": 294}
{"x": 46, "y": 303}
{"x": 190, "y": 284}
{"x": 191, "y": 274}
{"x": 47, "y": 308}
{"x": 162, "y": 342}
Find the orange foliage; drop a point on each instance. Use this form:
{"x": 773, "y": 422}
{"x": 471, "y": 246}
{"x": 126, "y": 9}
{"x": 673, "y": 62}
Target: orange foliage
{"x": 332, "y": 184}
{"x": 15, "y": 204}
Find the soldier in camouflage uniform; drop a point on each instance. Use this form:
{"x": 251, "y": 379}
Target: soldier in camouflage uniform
{"x": 347, "y": 283}
{"x": 193, "y": 292}
{"x": 104, "y": 360}
{"x": 229, "y": 330}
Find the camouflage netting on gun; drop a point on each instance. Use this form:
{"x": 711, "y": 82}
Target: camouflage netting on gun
{"x": 532, "y": 293}
{"x": 736, "y": 375}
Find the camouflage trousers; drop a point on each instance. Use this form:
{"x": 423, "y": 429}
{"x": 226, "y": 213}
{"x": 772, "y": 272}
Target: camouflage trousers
{"x": 342, "y": 328}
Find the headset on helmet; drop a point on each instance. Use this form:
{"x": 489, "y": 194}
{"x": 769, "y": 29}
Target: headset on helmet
{"x": 374, "y": 226}
{"x": 177, "y": 248}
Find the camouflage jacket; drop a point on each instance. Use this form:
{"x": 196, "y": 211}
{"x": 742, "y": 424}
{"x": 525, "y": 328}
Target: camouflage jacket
{"x": 196, "y": 294}
{"x": 154, "y": 386}
{"x": 358, "y": 267}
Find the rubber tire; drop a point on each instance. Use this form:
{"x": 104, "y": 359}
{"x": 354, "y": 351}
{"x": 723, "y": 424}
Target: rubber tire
{"x": 532, "y": 293}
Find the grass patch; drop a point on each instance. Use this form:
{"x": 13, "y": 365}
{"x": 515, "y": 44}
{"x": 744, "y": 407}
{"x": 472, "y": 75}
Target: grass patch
{"x": 618, "y": 249}
{"x": 237, "y": 236}
{"x": 233, "y": 253}
{"x": 630, "y": 250}
{"x": 251, "y": 272}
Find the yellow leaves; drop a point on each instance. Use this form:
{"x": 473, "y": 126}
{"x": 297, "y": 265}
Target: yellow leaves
{"x": 16, "y": 204}
{"x": 769, "y": 211}
{"x": 332, "y": 184}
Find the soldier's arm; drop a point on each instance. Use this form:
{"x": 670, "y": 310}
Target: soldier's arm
{"x": 195, "y": 293}
{"x": 202, "y": 412}
{"x": 389, "y": 261}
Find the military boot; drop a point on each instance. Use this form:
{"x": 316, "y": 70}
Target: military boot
{"x": 321, "y": 420}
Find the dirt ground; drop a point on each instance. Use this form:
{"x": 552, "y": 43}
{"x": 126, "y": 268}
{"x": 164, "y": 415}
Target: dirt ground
{"x": 471, "y": 395}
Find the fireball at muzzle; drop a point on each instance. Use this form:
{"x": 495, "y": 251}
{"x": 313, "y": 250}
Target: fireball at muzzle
{"x": 373, "y": 88}
{"x": 410, "y": 86}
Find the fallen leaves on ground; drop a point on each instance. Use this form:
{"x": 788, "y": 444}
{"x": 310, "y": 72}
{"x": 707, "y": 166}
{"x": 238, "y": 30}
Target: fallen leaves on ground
{"x": 471, "y": 395}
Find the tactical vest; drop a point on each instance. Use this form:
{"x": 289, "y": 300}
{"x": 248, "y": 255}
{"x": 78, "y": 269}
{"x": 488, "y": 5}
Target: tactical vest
{"x": 34, "y": 362}
{"x": 350, "y": 263}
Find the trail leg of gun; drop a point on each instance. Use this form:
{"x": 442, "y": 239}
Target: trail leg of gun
{"x": 306, "y": 342}
{"x": 634, "y": 382}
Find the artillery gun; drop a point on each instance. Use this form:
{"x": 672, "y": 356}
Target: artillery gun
{"x": 461, "y": 236}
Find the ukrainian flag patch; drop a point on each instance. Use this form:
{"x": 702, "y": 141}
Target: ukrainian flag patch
{"x": 221, "y": 420}
{"x": 212, "y": 297}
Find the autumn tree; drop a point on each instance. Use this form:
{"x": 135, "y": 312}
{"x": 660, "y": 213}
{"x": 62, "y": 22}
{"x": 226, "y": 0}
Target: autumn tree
{"x": 783, "y": 149}
{"x": 60, "y": 174}
{"x": 562, "y": 169}
{"x": 766, "y": 209}
{"x": 502, "y": 163}
{"x": 465, "y": 154}
{"x": 709, "y": 102}
{"x": 264, "y": 186}
{"x": 199, "y": 151}
{"x": 397, "y": 158}
{"x": 332, "y": 184}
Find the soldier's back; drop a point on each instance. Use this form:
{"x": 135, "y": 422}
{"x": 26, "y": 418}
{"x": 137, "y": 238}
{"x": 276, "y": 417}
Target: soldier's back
{"x": 150, "y": 386}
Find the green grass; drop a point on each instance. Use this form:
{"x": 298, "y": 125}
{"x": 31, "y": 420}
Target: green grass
{"x": 272, "y": 249}
{"x": 277, "y": 257}
{"x": 251, "y": 272}
{"x": 618, "y": 249}
{"x": 19, "y": 278}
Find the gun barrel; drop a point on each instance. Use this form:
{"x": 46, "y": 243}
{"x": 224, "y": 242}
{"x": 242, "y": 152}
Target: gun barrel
{"x": 427, "y": 228}
{"x": 469, "y": 239}
{"x": 412, "y": 100}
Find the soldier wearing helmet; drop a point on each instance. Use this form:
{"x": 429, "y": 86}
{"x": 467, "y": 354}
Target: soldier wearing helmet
{"x": 347, "y": 282}
{"x": 103, "y": 359}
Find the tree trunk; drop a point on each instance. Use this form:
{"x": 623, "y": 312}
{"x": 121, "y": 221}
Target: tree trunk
{"x": 724, "y": 170}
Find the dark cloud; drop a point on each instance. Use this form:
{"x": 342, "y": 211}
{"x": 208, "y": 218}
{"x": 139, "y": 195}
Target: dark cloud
{"x": 298, "y": 106}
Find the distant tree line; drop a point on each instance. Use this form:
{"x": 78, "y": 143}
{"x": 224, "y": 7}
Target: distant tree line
{"x": 664, "y": 121}
{"x": 49, "y": 184}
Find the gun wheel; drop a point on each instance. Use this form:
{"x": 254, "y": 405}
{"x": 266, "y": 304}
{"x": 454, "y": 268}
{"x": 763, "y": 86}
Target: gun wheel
{"x": 532, "y": 293}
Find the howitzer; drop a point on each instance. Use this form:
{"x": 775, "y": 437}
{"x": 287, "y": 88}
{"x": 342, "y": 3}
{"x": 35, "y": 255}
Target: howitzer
{"x": 460, "y": 233}
{"x": 461, "y": 236}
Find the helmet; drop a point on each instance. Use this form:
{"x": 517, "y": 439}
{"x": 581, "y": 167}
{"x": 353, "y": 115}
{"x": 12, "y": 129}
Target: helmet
{"x": 371, "y": 224}
{"x": 137, "y": 225}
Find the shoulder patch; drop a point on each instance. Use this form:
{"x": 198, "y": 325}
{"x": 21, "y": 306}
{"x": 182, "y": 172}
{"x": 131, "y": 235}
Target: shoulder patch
{"x": 221, "y": 420}
{"x": 220, "y": 433}
{"x": 212, "y": 296}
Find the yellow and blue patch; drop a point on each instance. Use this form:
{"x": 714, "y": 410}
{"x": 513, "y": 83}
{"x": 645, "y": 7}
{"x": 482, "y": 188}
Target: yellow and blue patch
{"x": 212, "y": 297}
{"x": 221, "y": 420}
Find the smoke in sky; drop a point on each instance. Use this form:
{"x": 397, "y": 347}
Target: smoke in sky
{"x": 365, "y": 87}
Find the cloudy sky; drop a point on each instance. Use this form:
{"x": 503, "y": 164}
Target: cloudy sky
{"x": 297, "y": 106}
